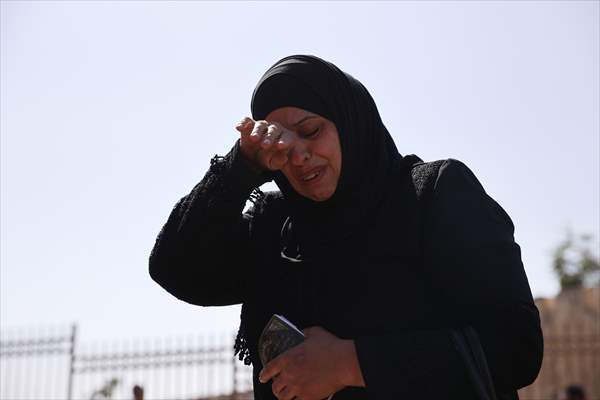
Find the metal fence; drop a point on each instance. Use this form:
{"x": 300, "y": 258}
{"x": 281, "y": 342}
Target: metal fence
{"x": 36, "y": 366}
{"x": 54, "y": 365}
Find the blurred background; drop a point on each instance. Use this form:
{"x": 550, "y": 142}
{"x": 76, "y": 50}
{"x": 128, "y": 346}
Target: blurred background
{"x": 111, "y": 111}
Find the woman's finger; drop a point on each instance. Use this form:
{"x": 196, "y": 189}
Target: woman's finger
{"x": 245, "y": 125}
{"x": 271, "y": 136}
{"x": 285, "y": 139}
{"x": 277, "y": 386}
{"x": 287, "y": 393}
{"x": 259, "y": 129}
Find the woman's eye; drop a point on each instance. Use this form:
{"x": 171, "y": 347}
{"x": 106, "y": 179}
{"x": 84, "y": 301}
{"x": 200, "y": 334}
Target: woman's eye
{"x": 311, "y": 134}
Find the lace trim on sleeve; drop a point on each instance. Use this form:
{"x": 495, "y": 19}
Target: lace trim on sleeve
{"x": 241, "y": 345}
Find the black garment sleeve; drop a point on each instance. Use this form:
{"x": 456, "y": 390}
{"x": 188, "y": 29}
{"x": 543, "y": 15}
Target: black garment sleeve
{"x": 475, "y": 270}
{"x": 203, "y": 254}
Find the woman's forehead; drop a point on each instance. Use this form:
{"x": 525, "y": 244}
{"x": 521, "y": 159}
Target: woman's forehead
{"x": 290, "y": 116}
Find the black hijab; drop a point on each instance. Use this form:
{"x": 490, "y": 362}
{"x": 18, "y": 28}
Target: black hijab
{"x": 369, "y": 154}
{"x": 332, "y": 237}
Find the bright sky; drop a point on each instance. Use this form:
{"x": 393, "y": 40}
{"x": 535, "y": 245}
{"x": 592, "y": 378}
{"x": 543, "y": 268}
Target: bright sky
{"x": 111, "y": 112}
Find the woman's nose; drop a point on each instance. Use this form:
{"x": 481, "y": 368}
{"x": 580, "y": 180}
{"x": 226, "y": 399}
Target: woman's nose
{"x": 299, "y": 154}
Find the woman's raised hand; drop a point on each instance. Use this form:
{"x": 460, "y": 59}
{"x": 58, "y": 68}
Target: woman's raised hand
{"x": 266, "y": 144}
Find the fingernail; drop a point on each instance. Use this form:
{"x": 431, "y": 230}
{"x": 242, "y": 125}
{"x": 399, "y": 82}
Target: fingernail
{"x": 266, "y": 141}
{"x": 260, "y": 377}
{"x": 243, "y": 122}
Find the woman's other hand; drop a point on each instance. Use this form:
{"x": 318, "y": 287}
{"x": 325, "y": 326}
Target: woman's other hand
{"x": 320, "y": 366}
{"x": 265, "y": 144}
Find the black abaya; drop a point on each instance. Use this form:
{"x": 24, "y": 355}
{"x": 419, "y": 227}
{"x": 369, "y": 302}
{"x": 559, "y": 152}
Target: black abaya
{"x": 380, "y": 263}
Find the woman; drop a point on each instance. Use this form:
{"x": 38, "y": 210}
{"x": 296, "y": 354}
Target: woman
{"x": 381, "y": 259}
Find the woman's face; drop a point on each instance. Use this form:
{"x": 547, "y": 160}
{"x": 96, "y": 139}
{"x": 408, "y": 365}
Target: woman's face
{"x": 315, "y": 158}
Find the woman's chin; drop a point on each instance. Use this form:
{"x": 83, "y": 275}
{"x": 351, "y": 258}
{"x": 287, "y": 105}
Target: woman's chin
{"x": 316, "y": 191}
{"x": 318, "y": 196}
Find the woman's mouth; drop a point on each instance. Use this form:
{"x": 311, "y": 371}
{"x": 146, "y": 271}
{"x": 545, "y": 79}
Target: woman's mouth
{"x": 310, "y": 177}
{"x": 313, "y": 175}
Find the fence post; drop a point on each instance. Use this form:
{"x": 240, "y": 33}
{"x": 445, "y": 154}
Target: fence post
{"x": 71, "y": 361}
{"x": 234, "y": 393}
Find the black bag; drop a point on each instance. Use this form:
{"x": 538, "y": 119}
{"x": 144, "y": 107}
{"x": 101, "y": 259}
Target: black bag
{"x": 466, "y": 339}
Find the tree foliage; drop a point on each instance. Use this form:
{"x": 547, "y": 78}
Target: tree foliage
{"x": 575, "y": 263}
{"x": 106, "y": 391}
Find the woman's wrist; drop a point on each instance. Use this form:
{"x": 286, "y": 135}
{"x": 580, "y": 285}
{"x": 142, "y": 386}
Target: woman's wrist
{"x": 351, "y": 373}
{"x": 250, "y": 160}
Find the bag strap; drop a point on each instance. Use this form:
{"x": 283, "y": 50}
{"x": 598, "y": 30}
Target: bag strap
{"x": 424, "y": 176}
{"x": 480, "y": 359}
{"x": 466, "y": 340}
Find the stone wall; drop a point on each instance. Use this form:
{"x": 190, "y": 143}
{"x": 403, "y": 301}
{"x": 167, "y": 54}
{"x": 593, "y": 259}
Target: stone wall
{"x": 571, "y": 326}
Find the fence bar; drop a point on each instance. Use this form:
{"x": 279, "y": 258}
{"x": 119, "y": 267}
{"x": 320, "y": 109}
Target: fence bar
{"x": 71, "y": 362}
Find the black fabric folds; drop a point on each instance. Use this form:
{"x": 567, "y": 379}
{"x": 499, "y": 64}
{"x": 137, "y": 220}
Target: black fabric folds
{"x": 368, "y": 151}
